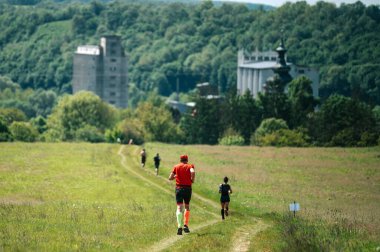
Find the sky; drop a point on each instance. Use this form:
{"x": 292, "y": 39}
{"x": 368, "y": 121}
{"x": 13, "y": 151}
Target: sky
{"x": 280, "y": 2}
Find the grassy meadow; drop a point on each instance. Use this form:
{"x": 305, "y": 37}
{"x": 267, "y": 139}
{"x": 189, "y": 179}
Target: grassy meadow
{"x": 80, "y": 197}
{"x": 69, "y": 196}
{"x": 338, "y": 188}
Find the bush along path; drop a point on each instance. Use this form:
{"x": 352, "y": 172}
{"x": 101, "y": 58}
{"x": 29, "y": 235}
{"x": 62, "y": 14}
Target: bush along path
{"x": 242, "y": 237}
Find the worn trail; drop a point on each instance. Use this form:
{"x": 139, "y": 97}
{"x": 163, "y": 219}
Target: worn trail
{"x": 241, "y": 241}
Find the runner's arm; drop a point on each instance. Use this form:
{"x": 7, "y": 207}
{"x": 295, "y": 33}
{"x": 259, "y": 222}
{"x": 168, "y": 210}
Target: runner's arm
{"x": 171, "y": 176}
{"x": 192, "y": 174}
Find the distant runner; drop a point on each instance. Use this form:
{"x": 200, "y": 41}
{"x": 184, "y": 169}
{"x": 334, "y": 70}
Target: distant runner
{"x": 143, "y": 157}
{"x": 184, "y": 175}
{"x": 225, "y": 191}
{"x": 157, "y": 160}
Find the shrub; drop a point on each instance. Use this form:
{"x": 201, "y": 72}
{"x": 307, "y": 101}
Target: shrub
{"x": 285, "y": 137}
{"x": 126, "y": 130}
{"x": 89, "y": 134}
{"x": 232, "y": 140}
{"x": 231, "y": 137}
{"x": 23, "y": 131}
{"x": 266, "y": 127}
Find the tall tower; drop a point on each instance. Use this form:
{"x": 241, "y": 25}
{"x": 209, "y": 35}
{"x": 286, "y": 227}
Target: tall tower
{"x": 103, "y": 70}
{"x": 281, "y": 68}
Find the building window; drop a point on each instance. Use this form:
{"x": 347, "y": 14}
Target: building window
{"x": 113, "y": 60}
{"x": 273, "y": 58}
{"x": 112, "y": 85}
{"x": 112, "y": 93}
{"x": 113, "y": 77}
{"x": 301, "y": 71}
{"x": 260, "y": 58}
{"x": 113, "y": 52}
{"x": 112, "y": 102}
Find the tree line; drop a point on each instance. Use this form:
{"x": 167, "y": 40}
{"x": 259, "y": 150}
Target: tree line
{"x": 275, "y": 118}
{"x": 174, "y": 42}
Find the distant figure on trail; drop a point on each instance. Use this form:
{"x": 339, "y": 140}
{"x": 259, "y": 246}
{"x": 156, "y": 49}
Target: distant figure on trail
{"x": 225, "y": 191}
{"x": 143, "y": 157}
{"x": 157, "y": 160}
{"x": 130, "y": 141}
{"x": 184, "y": 175}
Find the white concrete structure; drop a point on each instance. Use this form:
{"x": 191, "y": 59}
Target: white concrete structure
{"x": 103, "y": 70}
{"x": 255, "y": 68}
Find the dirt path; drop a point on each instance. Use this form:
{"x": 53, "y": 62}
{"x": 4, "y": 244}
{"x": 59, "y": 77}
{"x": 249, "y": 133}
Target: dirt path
{"x": 167, "y": 242}
{"x": 241, "y": 241}
{"x": 242, "y": 238}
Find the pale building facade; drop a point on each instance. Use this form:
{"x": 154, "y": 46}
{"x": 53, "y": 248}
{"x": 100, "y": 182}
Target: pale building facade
{"x": 103, "y": 70}
{"x": 255, "y": 68}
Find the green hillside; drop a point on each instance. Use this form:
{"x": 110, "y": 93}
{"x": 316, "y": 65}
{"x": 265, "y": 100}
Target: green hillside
{"x": 170, "y": 41}
{"x": 76, "y": 196}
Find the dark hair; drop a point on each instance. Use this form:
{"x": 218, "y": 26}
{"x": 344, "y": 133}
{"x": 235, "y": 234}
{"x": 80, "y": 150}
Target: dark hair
{"x": 225, "y": 179}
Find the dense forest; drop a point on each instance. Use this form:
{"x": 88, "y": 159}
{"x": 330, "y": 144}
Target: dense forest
{"x": 192, "y": 43}
{"x": 195, "y": 43}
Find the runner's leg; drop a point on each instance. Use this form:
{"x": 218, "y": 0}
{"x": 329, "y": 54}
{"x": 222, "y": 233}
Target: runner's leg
{"x": 226, "y": 207}
{"x": 187, "y": 214}
{"x": 179, "y": 215}
{"x": 222, "y": 210}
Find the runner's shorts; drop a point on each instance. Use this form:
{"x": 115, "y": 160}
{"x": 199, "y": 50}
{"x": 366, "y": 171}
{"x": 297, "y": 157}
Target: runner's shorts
{"x": 225, "y": 198}
{"x": 183, "y": 194}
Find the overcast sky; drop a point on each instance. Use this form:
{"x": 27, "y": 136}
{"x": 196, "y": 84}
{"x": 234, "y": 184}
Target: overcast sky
{"x": 280, "y": 2}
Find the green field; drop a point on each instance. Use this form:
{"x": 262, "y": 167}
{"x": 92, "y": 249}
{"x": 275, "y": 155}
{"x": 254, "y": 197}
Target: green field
{"x": 79, "y": 196}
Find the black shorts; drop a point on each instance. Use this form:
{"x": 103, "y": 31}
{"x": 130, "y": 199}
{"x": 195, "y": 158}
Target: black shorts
{"x": 183, "y": 194}
{"x": 225, "y": 198}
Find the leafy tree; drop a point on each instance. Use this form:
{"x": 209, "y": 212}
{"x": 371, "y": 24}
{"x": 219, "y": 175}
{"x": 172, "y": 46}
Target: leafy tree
{"x": 39, "y": 123}
{"x": 10, "y": 115}
{"x": 5, "y": 135}
{"x": 231, "y": 137}
{"x": 157, "y": 122}
{"x": 43, "y": 102}
{"x": 302, "y": 101}
{"x": 89, "y": 134}
{"x": 76, "y": 111}
{"x": 274, "y": 101}
{"x": 284, "y": 137}
{"x": 126, "y": 130}
{"x": 267, "y": 126}
{"x": 203, "y": 125}
{"x": 23, "y": 131}
{"x": 7, "y": 83}
{"x": 243, "y": 114}
{"x": 342, "y": 121}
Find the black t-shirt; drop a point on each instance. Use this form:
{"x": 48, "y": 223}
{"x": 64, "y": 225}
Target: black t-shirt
{"x": 224, "y": 188}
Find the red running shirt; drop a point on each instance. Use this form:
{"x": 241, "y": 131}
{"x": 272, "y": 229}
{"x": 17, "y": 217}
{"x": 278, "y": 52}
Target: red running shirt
{"x": 183, "y": 174}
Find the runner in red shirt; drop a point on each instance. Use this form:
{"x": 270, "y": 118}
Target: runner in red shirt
{"x": 184, "y": 175}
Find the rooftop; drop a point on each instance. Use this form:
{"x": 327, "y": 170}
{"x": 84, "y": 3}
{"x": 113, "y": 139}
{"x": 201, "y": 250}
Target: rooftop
{"x": 260, "y": 65}
{"x": 88, "y": 49}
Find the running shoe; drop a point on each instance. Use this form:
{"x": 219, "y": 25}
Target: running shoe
{"x": 179, "y": 232}
{"x": 186, "y": 229}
